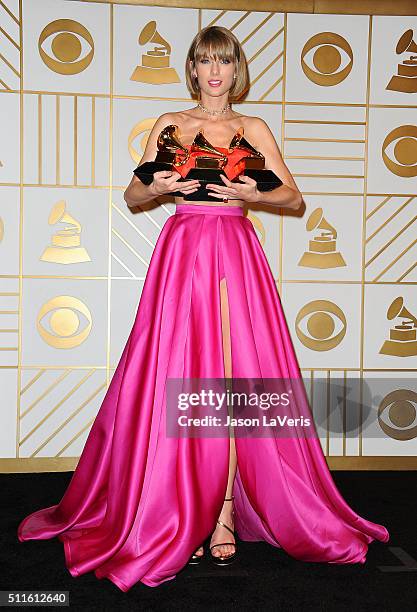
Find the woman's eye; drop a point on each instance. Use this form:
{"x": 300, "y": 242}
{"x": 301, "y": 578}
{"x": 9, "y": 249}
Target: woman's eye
{"x": 225, "y": 61}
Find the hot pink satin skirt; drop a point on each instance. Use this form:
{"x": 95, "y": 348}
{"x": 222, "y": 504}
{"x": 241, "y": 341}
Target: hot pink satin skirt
{"x": 139, "y": 503}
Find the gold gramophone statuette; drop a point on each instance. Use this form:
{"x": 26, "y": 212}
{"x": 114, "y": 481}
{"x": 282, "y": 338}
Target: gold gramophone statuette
{"x": 169, "y": 145}
{"x": 322, "y": 253}
{"x": 201, "y": 144}
{"x": 254, "y": 160}
{"x": 403, "y": 337}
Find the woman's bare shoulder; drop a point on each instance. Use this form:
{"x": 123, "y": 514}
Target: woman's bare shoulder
{"x": 255, "y": 128}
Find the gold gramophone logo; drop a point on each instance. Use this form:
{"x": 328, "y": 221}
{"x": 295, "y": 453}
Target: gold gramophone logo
{"x": 321, "y": 325}
{"x": 404, "y": 151}
{"x": 400, "y": 405}
{"x": 154, "y": 68}
{"x": 327, "y": 59}
{"x": 402, "y": 337}
{"x": 322, "y": 251}
{"x": 406, "y": 78}
{"x": 66, "y": 242}
{"x": 64, "y": 322}
{"x": 68, "y": 39}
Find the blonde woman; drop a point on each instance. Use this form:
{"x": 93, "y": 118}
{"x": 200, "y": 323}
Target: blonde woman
{"x": 142, "y": 502}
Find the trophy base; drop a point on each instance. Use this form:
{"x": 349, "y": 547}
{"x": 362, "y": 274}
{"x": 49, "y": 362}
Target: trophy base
{"x": 266, "y": 180}
{"x": 145, "y": 171}
{"x": 396, "y": 348}
{"x": 205, "y": 176}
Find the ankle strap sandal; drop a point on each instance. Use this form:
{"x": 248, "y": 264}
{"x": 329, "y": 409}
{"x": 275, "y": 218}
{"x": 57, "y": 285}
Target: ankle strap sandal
{"x": 224, "y": 559}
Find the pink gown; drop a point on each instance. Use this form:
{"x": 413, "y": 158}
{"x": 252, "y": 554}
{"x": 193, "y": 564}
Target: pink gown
{"x": 140, "y": 503}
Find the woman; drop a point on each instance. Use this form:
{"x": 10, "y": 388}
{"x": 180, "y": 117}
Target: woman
{"x": 141, "y": 502}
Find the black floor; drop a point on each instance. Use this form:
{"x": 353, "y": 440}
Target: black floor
{"x": 264, "y": 577}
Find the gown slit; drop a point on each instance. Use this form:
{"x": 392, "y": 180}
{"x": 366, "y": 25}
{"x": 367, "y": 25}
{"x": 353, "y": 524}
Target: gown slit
{"x": 140, "y": 501}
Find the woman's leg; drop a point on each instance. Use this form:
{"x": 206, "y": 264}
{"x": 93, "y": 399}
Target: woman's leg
{"x": 221, "y": 534}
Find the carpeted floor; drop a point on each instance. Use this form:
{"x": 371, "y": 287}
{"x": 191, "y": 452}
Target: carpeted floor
{"x": 264, "y": 577}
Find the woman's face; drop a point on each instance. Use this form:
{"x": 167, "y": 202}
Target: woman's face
{"x": 215, "y": 77}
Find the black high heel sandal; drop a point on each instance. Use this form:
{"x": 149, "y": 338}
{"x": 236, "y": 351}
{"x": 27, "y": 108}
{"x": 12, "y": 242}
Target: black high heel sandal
{"x": 196, "y": 559}
{"x": 224, "y": 559}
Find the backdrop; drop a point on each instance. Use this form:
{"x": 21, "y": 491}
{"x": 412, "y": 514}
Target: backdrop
{"x": 81, "y": 84}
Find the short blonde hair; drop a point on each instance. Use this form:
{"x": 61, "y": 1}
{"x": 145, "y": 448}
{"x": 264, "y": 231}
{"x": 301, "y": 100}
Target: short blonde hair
{"x": 218, "y": 42}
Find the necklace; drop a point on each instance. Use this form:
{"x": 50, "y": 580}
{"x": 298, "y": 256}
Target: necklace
{"x": 214, "y": 112}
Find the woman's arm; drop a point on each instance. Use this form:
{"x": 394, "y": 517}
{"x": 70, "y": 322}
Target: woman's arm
{"x": 287, "y": 195}
{"x": 164, "y": 182}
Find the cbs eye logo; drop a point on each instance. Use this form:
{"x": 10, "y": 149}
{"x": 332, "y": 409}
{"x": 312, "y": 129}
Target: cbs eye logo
{"x": 70, "y": 41}
{"x": 143, "y": 129}
{"x": 321, "y": 325}
{"x": 404, "y": 151}
{"x": 327, "y": 59}
{"x": 402, "y": 413}
{"x": 64, "y": 322}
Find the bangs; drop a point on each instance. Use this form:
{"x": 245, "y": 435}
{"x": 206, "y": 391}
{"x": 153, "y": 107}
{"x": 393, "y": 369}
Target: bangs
{"x": 217, "y": 46}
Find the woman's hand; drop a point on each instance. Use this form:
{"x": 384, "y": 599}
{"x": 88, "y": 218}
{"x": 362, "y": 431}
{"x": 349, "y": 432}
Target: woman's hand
{"x": 246, "y": 190}
{"x": 166, "y": 181}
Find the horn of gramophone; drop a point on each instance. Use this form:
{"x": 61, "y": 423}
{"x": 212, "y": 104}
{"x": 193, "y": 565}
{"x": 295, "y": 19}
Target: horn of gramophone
{"x": 238, "y": 140}
{"x": 325, "y": 225}
{"x": 397, "y": 309}
{"x": 169, "y": 142}
{"x": 200, "y": 143}
{"x": 406, "y": 42}
{"x": 317, "y": 221}
{"x": 58, "y": 213}
{"x": 149, "y": 33}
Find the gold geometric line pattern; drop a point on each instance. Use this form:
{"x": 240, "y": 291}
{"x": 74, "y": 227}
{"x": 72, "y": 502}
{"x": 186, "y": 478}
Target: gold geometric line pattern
{"x": 51, "y": 387}
{"x": 378, "y": 207}
{"x": 410, "y": 269}
{"x": 12, "y": 15}
{"x": 58, "y": 139}
{"x": 394, "y": 214}
{"x": 268, "y": 91}
{"x": 10, "y": 65}
{"x": 258, "y": 27}
{"x": 56, "y": 406}
{"x": 75, "y": 140}
{"x": 77, "y": 435}
{"x": 134, "y": 251}
{"x": 358, "y": 176}
{"x": 133, "y": 226}
{"x": 274, "y": 61}
{"x": 321, "y": 121}
{"x": 217, "y": 18}
{"x": 268, "y": 42}
{"x": 39, "y": 139}
{"x": 14, "y": 43}
{"x": 70, "y": 417}
{"x": 395, "y": 260}
{"x": 32, "y": 381}
{"x": 5, "y": 85}
{"x": 323, "y": 157}
{"x": 128, "y": 270}
{"x": 325, "y": 139}
{"x": 239, "y": 21}
{"x": 390, "y": 241}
